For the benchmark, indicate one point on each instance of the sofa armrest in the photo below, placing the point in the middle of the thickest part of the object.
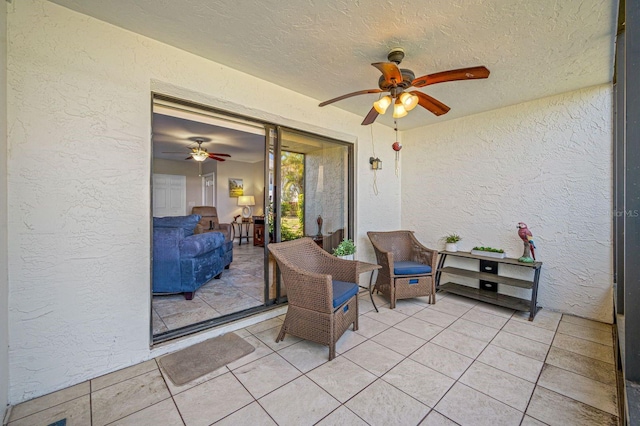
(199, 244)
(166, 242)
(166, 258)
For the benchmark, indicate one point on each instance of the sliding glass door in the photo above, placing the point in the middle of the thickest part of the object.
(292, 184)
(312, 193)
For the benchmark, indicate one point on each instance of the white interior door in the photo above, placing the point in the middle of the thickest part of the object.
(169, 195)
(209, 190)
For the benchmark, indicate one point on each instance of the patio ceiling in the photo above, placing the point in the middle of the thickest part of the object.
(324, 49)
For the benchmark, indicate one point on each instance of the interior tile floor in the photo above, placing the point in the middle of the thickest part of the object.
(240, 287)
(455, 362)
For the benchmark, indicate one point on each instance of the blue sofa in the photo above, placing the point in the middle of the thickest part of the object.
(182, 261)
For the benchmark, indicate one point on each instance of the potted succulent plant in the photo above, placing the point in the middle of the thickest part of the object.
(345, 250)
(451, 242)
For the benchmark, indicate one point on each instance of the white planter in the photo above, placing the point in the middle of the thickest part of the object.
(347, 257)
(488, 254)
(452, 247)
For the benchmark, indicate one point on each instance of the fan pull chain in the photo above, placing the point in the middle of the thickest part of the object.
(397, 146)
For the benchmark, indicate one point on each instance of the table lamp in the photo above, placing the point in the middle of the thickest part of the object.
(246, 202)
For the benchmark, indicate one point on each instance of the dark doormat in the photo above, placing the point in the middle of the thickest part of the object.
(204, 357)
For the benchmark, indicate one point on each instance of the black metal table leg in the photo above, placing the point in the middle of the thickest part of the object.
(533, 308)
(443, 256)
(371, 292)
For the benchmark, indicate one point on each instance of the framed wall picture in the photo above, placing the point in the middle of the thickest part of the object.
(235, 187)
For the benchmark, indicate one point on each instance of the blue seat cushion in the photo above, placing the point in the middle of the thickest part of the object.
(343, 291)
(410, 268)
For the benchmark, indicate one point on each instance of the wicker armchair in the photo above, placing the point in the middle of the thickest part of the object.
(408, 267)
(322, 291)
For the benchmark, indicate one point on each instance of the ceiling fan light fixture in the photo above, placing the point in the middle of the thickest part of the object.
(399, 110)
(382, 104)
(409, 100)
(200, 156)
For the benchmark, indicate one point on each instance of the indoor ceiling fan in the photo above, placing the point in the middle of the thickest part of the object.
(397, 80)
(199, 153)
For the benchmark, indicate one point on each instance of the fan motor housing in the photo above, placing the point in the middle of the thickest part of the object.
(407, 77)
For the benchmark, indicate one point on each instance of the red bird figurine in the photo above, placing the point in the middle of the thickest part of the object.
(529, 246)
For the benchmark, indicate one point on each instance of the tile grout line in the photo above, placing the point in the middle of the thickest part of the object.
(467, 369)
(172, 396)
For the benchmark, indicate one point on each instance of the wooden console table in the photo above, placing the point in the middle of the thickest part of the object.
(490, 281)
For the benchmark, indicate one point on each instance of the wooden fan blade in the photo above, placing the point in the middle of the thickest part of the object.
(348, 95)
(173, 152)
(371, 117)
(451, 75)
(390, 71)
(432, 104)
(189, 158)
(216, 158)
(218, 154)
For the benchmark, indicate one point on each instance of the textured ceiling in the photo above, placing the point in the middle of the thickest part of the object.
(324, 48)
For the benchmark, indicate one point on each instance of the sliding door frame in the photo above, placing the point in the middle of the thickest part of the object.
(273, 132)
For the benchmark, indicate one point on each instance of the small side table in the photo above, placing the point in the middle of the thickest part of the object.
(242, 227)
(368, 267)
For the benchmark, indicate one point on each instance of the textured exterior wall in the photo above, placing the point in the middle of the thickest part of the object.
(546, 163)
(4, 279)
(78, 184)
(328, 197)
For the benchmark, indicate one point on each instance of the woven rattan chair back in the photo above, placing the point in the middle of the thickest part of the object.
(400, 246)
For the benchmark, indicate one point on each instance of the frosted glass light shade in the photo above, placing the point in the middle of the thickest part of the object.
(409, 100)
(382, 104)
(200, 156)
(399, 110)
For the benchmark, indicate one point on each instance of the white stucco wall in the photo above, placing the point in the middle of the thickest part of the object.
(326, 198)
(78, 184)
(546, 163)
(4, 283)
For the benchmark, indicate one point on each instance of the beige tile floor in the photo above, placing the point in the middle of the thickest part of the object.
(240, 287)
(456, 362)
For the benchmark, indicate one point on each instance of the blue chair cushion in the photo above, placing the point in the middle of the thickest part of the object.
(188, 223)
(410, 268)
(343, 291)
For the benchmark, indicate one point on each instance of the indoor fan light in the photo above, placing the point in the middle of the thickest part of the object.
(409, 100)
(382, 104)
(399, 110)
(200, 155)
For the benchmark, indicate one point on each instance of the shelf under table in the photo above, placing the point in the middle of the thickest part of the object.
(487, 296)
(488, 277)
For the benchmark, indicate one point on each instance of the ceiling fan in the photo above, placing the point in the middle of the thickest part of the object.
(397, 80)
(199, 153)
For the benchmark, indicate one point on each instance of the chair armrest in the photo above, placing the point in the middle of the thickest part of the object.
(342, 270)
(385, 260)
(424, 255)
(225, 228)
